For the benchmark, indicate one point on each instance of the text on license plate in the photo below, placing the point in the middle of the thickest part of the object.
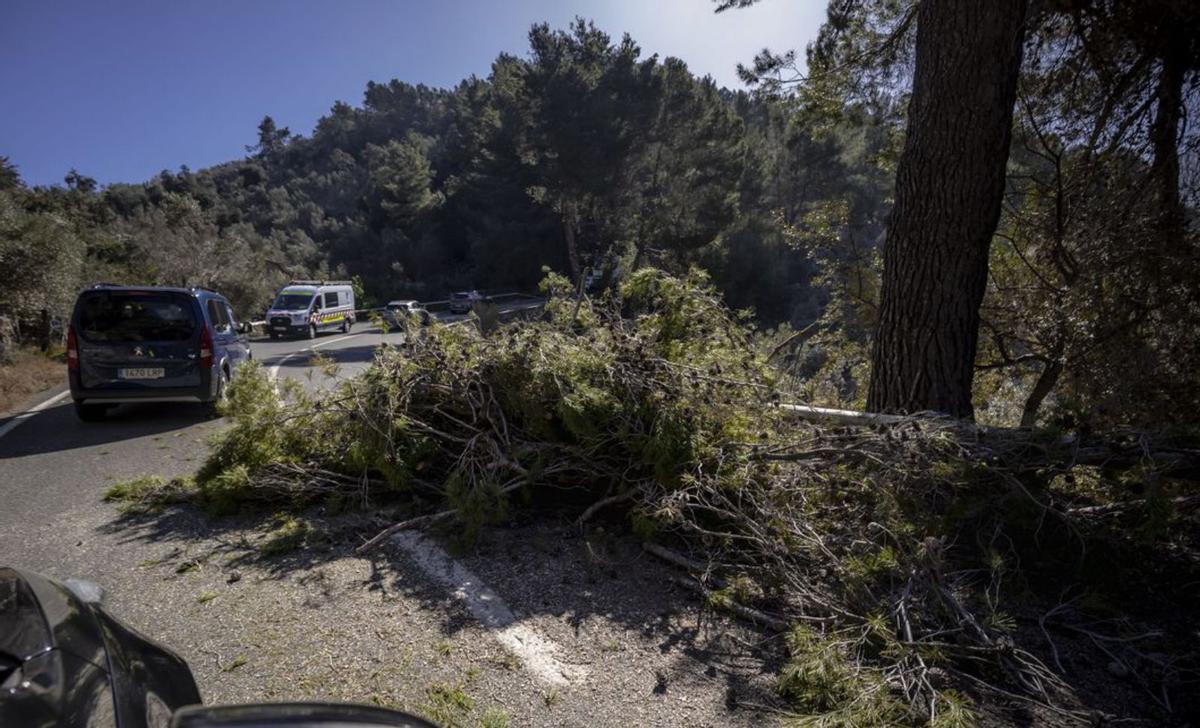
(141, 373)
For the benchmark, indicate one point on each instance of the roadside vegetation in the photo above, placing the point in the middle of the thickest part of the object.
(26, 372)
(149, 493)
(916, 570)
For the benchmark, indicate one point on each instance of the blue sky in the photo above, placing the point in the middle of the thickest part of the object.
(122, 90)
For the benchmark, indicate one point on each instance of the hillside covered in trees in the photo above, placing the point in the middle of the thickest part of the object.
(586, 152)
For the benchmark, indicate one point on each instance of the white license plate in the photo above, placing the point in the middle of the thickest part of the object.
(141, 373)
(280, 328)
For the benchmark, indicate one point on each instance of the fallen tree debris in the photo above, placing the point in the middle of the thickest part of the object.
(882, 546)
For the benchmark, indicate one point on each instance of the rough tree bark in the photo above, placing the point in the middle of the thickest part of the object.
(1164, 136)
(949, 186)
(570, 218)
(43, 333)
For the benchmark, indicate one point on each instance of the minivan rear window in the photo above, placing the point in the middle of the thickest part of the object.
(136, 316)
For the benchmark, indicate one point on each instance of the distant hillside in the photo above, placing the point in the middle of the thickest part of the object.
(584, 153)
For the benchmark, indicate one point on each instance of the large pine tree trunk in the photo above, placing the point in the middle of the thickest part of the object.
(1164, 136)
(949, 186)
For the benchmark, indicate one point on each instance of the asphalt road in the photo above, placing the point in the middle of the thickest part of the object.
(54, 468)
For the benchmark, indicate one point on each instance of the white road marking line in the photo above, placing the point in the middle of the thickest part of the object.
(273, 372)
(16, 421)
(536, 651)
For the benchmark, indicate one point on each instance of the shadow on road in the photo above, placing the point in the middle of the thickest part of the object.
(57, 429)
(555, 578)
(361, 354)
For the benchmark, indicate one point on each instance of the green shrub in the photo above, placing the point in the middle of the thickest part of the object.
(592, 403)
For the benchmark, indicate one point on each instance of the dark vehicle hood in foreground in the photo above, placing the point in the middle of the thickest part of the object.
(38, 615)
(23, 630)
(66, 662)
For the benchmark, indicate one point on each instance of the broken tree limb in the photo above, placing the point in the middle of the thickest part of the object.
(395, 528)
(604, 503)
(748, 613)
(829, 415)
(675, 558)
(1026, 447)
(1180, 503)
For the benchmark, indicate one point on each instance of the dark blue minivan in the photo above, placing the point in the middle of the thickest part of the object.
(151, 344)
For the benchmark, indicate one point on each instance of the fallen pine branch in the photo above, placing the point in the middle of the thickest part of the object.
(418, 522)
(662, 410)
(1021, 447)
(741, 610)
(674, 558)
(1181, 502)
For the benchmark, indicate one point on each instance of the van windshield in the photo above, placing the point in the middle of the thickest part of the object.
(136, 316)
(292, 301)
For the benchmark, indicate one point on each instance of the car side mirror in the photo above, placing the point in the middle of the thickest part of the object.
(306, 715)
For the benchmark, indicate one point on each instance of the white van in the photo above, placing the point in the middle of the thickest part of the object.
(308, 307)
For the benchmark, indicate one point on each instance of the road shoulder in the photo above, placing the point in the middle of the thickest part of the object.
(310, 620)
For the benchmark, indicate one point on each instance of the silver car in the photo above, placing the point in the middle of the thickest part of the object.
(398, 311)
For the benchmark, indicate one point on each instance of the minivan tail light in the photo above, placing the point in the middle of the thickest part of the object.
(206, 347)
(72, 348)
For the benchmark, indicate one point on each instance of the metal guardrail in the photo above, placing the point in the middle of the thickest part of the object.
(424, 304)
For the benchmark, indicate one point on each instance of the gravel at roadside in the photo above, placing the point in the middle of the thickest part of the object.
(318, 623)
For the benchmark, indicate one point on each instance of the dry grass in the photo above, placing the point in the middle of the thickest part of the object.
(28, 373)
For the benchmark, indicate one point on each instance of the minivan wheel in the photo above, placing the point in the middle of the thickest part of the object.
(90, 412)
(214, 406)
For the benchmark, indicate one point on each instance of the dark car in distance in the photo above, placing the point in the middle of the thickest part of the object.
(464, 301)
(151, 344)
